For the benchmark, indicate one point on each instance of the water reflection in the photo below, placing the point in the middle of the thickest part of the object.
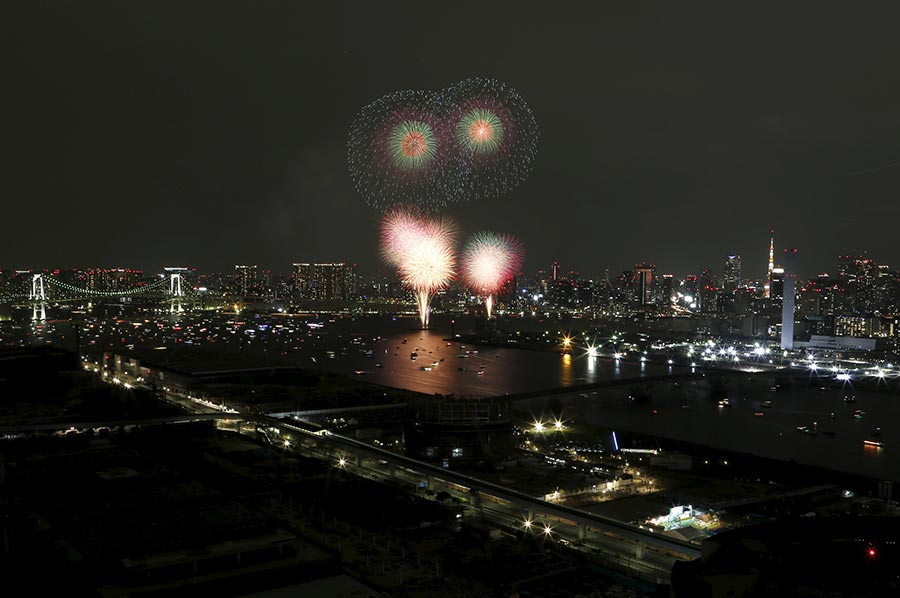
(505, 370)
(565, 373)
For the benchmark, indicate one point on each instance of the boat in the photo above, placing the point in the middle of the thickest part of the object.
(767, 404)
(425, 368)
(481, 372)
(875, 443)
(724, 402)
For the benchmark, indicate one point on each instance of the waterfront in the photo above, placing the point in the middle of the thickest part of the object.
(691, 414)
(371, 348)
(453, 367)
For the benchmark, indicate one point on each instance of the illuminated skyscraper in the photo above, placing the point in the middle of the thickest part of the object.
(776, 285)
(246, 279)
(864, 281)
(787, 302)
(326, 281)
(667, 291)
(643, 282)
(731, 278)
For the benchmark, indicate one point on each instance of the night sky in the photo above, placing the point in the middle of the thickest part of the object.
(147, 134)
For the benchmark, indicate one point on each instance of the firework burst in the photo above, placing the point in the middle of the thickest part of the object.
(401, 227)
(399, 152)
(476, 139)
(488, 262)
(423, 252)
(495, 135)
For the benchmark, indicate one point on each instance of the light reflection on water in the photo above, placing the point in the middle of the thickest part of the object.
(687, 413)
(691, 414)
(506, 370)
(565, 378)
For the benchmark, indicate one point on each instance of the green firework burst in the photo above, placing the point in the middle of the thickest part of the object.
(412, 144)
(480, 131)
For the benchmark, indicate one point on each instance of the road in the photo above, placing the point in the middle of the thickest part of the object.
(637, 551)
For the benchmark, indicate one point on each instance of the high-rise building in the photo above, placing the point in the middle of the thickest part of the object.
(667, 290)
(731, 277)
(336, 281)
(866, 276)
(625, 287)
(245, 280)
(643, 283)
(691, 290)
(787, 301)
(776, 286)
(846, 266)
(555, 272)
(887, 291)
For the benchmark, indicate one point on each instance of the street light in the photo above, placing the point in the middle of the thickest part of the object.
(547, 531)
(342, 462)
(538, 427)
(527, 524)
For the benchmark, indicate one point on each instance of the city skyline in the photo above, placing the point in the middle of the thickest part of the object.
(747, 268)
(114, 137)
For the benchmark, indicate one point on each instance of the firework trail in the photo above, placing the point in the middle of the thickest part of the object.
(488, 262)
(423, 252)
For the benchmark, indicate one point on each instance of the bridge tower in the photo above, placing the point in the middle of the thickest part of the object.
(176, 294)
(38, 298)
(37, 288)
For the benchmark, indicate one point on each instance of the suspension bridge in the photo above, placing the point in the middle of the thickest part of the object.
(45, 290)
